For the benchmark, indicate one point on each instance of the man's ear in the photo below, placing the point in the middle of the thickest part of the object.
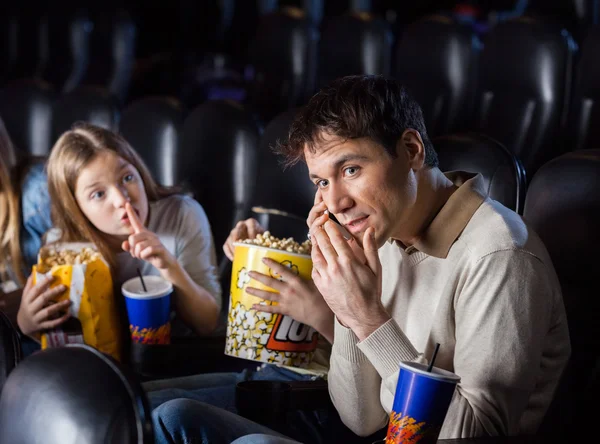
(412, 144)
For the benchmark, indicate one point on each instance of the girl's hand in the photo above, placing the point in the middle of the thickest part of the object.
(144, 244)
(38, 310)
(245, 229)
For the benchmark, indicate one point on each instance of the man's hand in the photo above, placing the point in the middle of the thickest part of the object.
(245, 229)
(295, 297)
(144, 244)
(351, 287)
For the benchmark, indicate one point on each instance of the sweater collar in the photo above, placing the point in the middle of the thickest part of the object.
(454, 216)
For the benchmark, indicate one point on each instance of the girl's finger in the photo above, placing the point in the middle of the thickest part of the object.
(49, 311)
(39, 288)
(47, 325)
(151, 251)
(47, 297)
(141, 246)
(134, 220)
(264, 294)
(125, 246)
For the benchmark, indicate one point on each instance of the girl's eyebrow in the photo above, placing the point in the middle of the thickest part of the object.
(95, 184)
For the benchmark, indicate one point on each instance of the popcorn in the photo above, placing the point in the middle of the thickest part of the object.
(50, 257)
(288, 244)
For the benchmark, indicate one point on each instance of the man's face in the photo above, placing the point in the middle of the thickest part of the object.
(363, 186)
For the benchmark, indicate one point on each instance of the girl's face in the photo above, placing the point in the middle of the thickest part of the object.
(102, 189)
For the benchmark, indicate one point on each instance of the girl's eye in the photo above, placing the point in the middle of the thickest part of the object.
(322, 183)
(97, 195)
(128, 178)
(351, 171)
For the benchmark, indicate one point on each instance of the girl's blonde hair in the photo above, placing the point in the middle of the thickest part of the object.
(74, 150)
(10, 211)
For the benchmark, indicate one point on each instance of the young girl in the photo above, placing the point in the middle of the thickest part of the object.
(103, 193)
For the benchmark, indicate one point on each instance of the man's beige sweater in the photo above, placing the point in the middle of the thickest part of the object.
(480, 283)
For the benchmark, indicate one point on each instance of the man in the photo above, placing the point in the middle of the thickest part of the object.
(432, 260)
(445, 264)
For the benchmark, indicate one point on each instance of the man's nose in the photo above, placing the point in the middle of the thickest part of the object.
(338, 200)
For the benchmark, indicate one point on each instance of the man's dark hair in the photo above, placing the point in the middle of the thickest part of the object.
(353, 107)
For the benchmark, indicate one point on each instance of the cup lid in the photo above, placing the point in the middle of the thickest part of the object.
(435, 373)
(156, 285)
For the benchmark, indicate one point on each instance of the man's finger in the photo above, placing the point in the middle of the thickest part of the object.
(279, 269)
(339, 243)
(267, 280)
(134, 220)
(264, 294)
(371, 251)
(276, 309)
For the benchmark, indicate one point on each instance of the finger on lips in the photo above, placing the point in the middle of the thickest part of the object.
(134, 220)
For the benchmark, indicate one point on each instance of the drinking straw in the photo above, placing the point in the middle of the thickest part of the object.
(142, 280)
(437, 347)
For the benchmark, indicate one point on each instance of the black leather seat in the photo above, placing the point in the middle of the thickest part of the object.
(354, 43)
(73, 395)
(283, 55)
(435, 58)
(584, 119)
(65, 54)
(219, 161)
(87, 103)
(154, 127)
(524, 78)
(288, 189)
(10, 348)
(502, 172)
(26, 108)
(112, 52)
(563, 206)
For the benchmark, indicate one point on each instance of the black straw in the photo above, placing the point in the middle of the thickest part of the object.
(142, 279)
(437, 347)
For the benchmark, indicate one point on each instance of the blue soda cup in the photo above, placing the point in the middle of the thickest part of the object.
(149, 310)
(420, 404)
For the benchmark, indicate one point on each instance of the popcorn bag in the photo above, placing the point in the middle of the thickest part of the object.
(261, 336)
(81, 268)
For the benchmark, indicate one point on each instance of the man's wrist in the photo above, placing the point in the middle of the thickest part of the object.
(364, 327)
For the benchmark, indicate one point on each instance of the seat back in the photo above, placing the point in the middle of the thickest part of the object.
(502, 172)
(65, 49)
(435, 59)
(26, 108)
(88, 104)
(288, 189)
(73, 395)
(218, 161)
(354, 43)
(112, 52)
(10, 348)
(563, 207)
(523, 88)
(283, 55)
(154, 128)
(584, 118)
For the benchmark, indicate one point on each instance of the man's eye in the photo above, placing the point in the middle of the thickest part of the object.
(322, 183)
(351, 171)
(128, 178)
(97, 195)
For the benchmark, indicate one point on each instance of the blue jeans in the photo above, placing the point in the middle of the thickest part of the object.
(185, 421)
(189, 420)
(258, 438)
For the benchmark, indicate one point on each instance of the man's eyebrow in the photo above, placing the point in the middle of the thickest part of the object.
(342, 160)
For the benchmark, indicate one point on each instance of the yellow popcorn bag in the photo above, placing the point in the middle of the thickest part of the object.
(261, 336)
(81, 268)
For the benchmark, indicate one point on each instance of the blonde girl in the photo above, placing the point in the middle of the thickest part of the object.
(24, 213)
(103, 193)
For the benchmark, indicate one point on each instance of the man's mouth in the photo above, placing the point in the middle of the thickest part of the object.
(357, 225)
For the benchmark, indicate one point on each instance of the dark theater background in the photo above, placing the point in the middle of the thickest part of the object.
(202, 89)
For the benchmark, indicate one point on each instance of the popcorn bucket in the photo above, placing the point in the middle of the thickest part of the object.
(261, 336)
